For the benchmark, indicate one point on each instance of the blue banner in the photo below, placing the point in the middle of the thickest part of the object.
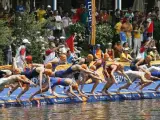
(89, 8)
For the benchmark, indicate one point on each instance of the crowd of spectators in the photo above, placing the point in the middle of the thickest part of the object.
(134, 31)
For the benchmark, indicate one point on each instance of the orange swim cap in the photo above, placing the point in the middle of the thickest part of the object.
(29, 58)
(84, 66)
(48, 66)
(90, 57)
(63, 57)
(147, 76)
(48, 72)
(75, 86)
(93, 67)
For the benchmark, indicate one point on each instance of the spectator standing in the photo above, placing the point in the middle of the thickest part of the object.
(66, 21)
(129, 15)
(98, 52)
(21, 54)
(128, 29)
(79, 12)
(49, 12)
(41, 14)
(84, 16)
(137, 39)
(118, 26)
(20, 8)
(123, 36)
(58, 24)
(117, 15)
(149, 28)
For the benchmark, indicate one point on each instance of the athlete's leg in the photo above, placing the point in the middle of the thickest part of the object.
(25, 89)
(45, 88)
(94, 86)
(12, 89)
(153, 68)
(107, 86)
(157, 87)
(126, 86)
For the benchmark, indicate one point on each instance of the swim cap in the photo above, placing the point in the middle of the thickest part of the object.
(48, 66)
(75, 86)
(63, 57)
(147, 76)
(93, 67)
(29, 58)
(48, 72)
(149, 58)
(84, 66)
(90, 57)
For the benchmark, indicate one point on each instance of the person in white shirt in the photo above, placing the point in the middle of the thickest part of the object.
(66, 20)
(58, 24)
(21, 54)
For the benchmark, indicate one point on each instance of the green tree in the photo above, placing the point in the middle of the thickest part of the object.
(104, 34)
(5, 37)
(26, 27)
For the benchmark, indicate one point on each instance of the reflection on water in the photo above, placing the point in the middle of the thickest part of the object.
(126, 110)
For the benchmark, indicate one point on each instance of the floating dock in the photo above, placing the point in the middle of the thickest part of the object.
(48, 99)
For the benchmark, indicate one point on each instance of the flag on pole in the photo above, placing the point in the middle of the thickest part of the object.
(70, 43)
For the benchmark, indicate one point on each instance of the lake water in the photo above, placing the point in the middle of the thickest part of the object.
(124, 110)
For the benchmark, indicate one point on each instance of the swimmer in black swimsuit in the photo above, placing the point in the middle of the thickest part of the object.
(147, 61)
(36, 72)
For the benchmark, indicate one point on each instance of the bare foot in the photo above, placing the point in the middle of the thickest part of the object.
(9, 93)
(94, 94)
(106, 93)
(118, 91)
(30, 99)
(18, 100)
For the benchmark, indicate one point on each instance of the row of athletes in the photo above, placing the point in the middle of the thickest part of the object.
(48, 78)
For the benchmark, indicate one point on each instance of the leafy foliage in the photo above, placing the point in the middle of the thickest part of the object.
(5, 36)
(104, 34)
(27, 28)
(156, 33)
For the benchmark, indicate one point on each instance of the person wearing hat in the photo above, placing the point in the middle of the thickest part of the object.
(21, 54)
(98, 52)
(128, 29)
(49, 12)
(125, 56)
